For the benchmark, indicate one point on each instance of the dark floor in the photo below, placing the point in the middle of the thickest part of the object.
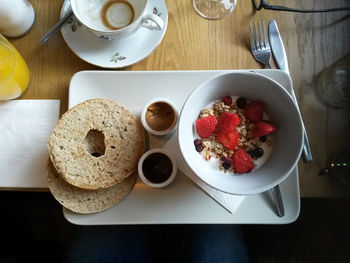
(33, 227)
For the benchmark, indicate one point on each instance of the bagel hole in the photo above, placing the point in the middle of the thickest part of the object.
(94, 143)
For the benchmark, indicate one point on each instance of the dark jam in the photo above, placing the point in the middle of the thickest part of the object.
(157, 167)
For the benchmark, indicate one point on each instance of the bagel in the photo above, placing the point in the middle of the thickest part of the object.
(87, 201)
(96, 144)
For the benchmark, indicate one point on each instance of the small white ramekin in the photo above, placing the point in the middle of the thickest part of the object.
(148, 128)
(148, 182)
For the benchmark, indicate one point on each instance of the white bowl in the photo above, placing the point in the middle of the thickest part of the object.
(144, 178)
(282, 112)
(155, 132)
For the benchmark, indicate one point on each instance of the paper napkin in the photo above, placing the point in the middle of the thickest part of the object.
(228, 201)
(25, 126)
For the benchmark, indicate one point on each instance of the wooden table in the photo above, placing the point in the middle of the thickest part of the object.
(313, 42)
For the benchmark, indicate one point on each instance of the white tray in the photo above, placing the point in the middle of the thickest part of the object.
(182, 202)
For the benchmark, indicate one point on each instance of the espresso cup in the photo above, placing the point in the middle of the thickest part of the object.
(113, 19)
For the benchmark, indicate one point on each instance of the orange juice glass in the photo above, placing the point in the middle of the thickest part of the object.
(14, 72)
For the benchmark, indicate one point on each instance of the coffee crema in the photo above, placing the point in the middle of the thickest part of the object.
(160, 116)
(116, 14)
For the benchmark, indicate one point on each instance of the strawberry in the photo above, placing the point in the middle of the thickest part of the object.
(229, 140)
(242, 162)
(228, 122)
(263, 128)
(254, 111)
(206, 126)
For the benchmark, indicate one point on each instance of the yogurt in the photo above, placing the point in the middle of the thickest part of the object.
(209, 144)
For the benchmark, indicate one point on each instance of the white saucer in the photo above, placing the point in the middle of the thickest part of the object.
(117, 53)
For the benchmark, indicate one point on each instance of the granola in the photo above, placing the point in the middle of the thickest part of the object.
(212, 147)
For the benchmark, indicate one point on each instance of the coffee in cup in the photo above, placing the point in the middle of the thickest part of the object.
(110, 19)
(116, 14)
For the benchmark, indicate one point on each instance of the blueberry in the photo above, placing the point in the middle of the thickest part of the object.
(258, 152)
(199, 148)
(197, 142)
(226, 165)
(263, 138)
(241, 102)
(226, 160)
(251, 153)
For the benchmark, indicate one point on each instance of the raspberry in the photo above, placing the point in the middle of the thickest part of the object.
(227, 100)
(254, 111)
(228, 122)
(206, 126)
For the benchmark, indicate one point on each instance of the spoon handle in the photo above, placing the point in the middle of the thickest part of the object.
(56, 27)
(277, 197)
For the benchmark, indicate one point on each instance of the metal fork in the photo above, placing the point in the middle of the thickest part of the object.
(260, 46)
(259, 43)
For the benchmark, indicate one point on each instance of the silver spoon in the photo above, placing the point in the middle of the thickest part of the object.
(57, 27)
(277, 197)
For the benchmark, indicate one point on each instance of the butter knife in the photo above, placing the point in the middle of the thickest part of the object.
(279, 53)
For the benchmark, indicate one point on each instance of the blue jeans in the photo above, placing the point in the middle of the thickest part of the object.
(159, 243)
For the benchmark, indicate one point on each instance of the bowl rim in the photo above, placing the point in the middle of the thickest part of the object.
(299, 121)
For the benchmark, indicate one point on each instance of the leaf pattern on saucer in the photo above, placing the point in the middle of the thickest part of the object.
(155, 11)
(115, 57)
(74, 23)
(104, 38)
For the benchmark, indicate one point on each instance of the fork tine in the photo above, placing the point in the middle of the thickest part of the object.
(257, 44)
(252, 38)
(266, 39)
(261, 34)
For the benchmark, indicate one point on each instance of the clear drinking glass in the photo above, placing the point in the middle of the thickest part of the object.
(14, 72)
(333, 84)
(214, 9)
